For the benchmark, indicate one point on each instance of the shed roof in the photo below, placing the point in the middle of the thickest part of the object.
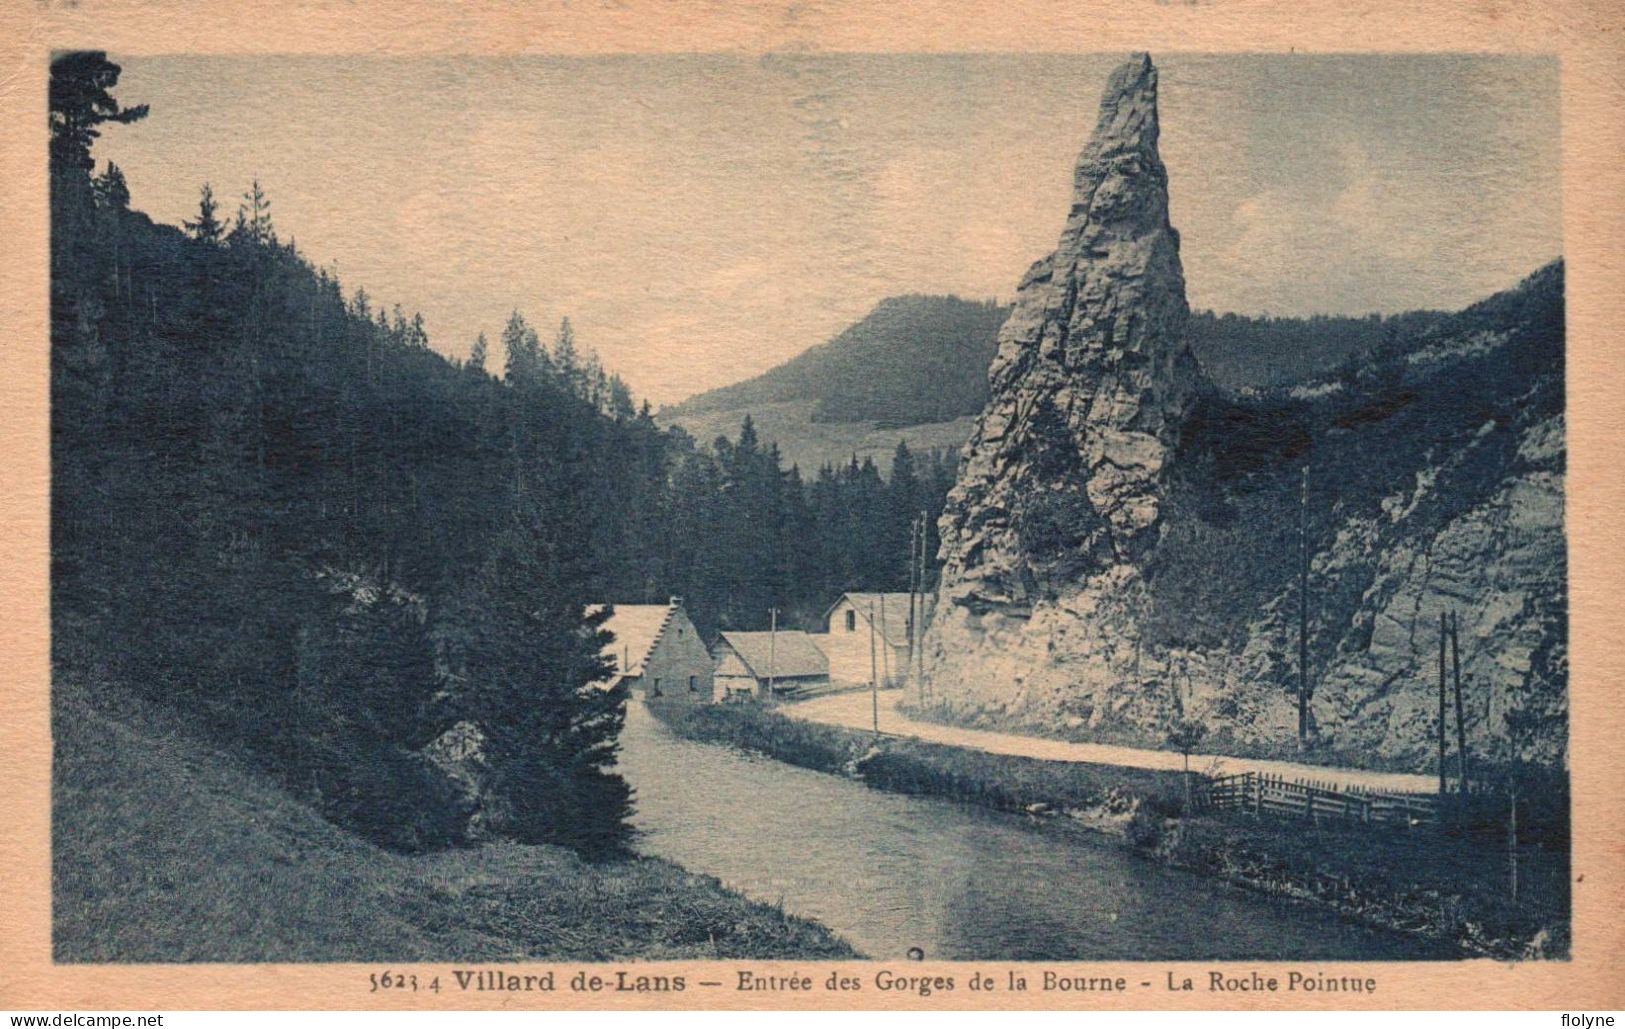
(894, 627)
(636, 627)
(792, 655)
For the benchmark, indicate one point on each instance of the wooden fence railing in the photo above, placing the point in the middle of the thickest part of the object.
(1299, 798)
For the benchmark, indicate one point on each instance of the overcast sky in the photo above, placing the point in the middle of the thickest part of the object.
(701, 219)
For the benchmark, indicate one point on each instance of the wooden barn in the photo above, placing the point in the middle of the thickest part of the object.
(658, 653)
(748, 661)
(846, 638)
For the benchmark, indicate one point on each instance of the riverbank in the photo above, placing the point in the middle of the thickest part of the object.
(168, 849)
(1423, 882)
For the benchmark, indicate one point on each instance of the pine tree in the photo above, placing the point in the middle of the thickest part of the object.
(619, 404)
(254, 216)
(206, 228)
(903, 504)
(79, 101)
(111, 191)
(524, 359)
(551, 728)
(476, 354)
(567, 359)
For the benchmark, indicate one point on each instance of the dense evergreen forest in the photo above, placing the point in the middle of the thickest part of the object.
(276, 509)
(1240, 352)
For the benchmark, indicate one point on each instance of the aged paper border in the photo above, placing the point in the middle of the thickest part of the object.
(1589, 37)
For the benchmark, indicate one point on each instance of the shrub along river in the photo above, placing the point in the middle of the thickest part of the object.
(889, 872)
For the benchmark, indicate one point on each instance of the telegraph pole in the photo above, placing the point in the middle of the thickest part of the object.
(913, 624)
(916, 601)
(772, 648)
(885, 640)
(1461, 719)
(1303, 611)
(925, 536)
(874, 680)
(1442, 633)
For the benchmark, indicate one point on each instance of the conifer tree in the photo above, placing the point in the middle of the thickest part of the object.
(567, 359)
(523, 351)
(551, 726)
(206, 228)
(112, 192)
(254, 216)
(79, 102)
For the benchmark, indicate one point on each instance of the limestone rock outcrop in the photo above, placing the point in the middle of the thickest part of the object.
(1060, 488)
(1090, 383)
(1123, 548)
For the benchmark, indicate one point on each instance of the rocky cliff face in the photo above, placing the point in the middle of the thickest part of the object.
(1090, 383)
(1123, 547)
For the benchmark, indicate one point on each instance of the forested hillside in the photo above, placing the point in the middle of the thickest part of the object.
(913, 359)
(1239, 352)
(919, 360)
(276, 509)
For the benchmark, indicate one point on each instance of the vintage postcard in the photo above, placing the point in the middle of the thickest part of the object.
(778, 506)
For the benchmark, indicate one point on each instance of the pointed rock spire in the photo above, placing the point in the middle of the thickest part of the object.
(1101, 574)
(1061, 476)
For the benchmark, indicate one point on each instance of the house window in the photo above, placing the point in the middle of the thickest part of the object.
(851, 620)
(693, 684)
(655, 691)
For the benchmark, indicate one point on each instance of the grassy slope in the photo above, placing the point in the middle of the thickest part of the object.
(811, 444)
(168, 850)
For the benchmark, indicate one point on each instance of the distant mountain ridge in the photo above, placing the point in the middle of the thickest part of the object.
(922, 360)
(912, 360)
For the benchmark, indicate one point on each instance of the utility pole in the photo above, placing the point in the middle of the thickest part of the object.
(772, 648)
(916, 605)
(1461, 719)
(1442, 632)
(925, 537)
(874, 681)
(885, 641)
(913, 623)
(1303, 612)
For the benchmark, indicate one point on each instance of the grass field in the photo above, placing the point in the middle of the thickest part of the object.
(166, 849)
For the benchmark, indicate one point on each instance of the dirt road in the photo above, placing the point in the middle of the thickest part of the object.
(854, 711)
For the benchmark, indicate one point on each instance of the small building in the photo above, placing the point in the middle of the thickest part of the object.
(658, 653)
(788, 658)
(847, 624)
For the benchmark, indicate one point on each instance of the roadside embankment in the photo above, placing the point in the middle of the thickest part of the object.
(166, 848)
(1445, 884)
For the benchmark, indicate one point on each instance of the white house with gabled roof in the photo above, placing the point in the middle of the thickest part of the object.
(846, 637)
(658, 653)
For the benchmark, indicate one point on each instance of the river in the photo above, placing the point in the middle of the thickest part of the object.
(888, 872)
